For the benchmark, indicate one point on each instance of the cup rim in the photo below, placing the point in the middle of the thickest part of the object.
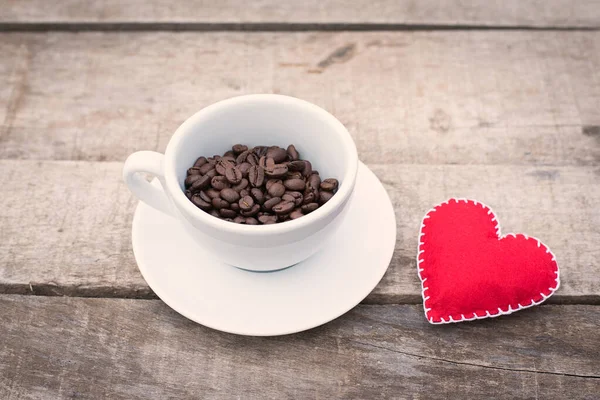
(340, 197)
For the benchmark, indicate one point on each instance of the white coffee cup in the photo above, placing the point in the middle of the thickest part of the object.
(262, 119)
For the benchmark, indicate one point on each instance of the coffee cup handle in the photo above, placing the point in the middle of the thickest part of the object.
(149, 162)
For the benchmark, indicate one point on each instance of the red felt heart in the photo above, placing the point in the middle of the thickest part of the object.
(468, 271)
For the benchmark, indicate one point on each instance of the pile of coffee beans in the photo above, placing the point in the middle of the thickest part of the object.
(259, 185)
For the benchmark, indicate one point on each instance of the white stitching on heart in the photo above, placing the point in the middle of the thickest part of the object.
(510, 310)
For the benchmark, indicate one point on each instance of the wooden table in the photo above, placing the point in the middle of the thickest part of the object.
(499, 101)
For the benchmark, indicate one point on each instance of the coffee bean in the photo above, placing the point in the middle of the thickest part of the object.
(244, 192)
(292, 152)
(233, 175)
(260, 150)
(235, 207)
(230, 195)
(191, 179)
(296, 214)
(227, 213)
(297, 165)
(215, 213)
(294, 175)
(314, 181)
(257, 195)
(212, 193)
(229, 153)
(188, 194)
(219, 182)
(256, 176)
(205, 168)
(204, 196)
(284, 207)
(276, 190)
(239, 148)
(324, 197)
(219, 203)
(309, 197)
(246, 203)
(200, 162)
(212, 173)
(295, 197)
(198, 202)
(252, 159)
(271, 182)
(222, 165)
(268, 205)
(277, 154)
(241, 186)
(276, 171)
(310, 207)
(200, 184)
(251, 212)
(244, 168)
(307, 169)
(239, 220)
(329, 185)
(294, 184)
(194, 171)
(267, 219)
(251, 221)
(242, 157)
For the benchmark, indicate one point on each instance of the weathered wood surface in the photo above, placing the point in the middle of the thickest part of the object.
(538, 13)
(115, 348)
(65, 226)
(485, 97)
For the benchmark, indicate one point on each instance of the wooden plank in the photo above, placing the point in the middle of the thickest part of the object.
(549, 13)
(133, 349)
(65, 226)
(485, 97)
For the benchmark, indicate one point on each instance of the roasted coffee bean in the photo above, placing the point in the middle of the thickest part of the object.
(194, 171)
(277, 154)
(219, 203)
(294, 184)
(219, 182)
(211, 161)
(235, 207)
(324, 196)
(267, 219)
(244, 192)
(268, 205)
(307, 171)
(230, 195)
(296, 214)
(297, 165)
(212, 173)
(252, 159)
(251, 221)
(294, 175)
(204, 196)
(191, 179)
(229, 153)
(251, 212)
(284, 207)
(309, 197)
(310, 207)
(276, 171)
(233, 175)
(244, 168)
(205, 168)
(222, 165)
(188, 194)
(227, 213)
(283, 217)
(276, 190)
(200, 184)
(212, 193)
(215, 213)
(256, 176)
(246, 203)
(257, 195)
(271, 182)
(198, 202)
(200, 162)
(329, 185)
(242, 157)
(314, 181)
(292, 152)
(230, 158)
(241, 186)
(239, 148)
(260, 150)
(296, 197)
(239, 220)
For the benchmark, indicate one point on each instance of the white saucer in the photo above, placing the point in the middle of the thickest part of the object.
(306, 295)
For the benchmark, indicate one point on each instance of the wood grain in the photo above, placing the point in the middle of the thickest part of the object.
(538, 13)
(133, 349)
(65, 226)
(476, 97)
